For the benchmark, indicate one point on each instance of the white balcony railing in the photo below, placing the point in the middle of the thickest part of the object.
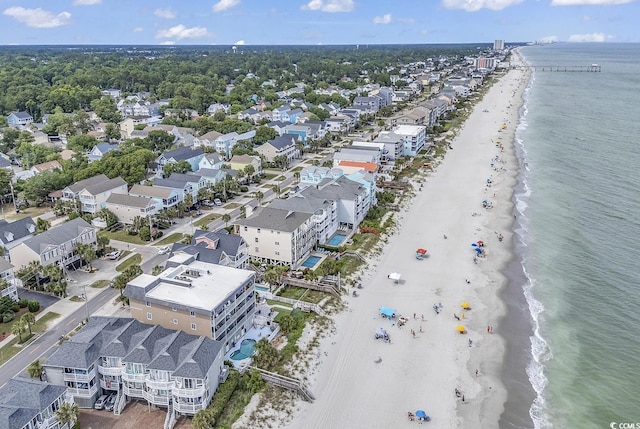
(138, 378)
(110, 370)
(155, 399)
(187, 408)
(109, 384)
(188, 393)
(133, 392)
(158, 384)
(83, 378)
(82, 392)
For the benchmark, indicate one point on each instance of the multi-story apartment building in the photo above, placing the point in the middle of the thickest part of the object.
(11, 283)
(31, 404)
(278, 236)
(167, 368)
(56, 245)
(197, 297)
(415, 138)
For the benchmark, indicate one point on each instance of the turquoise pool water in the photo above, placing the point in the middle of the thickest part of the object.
(311, 261)
(262, 288)
(247, 349)
(337, 239)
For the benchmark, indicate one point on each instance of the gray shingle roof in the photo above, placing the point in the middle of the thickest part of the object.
(58, 235)
(276, 219)
(211, 246)
(79, 186)
(283, 141)
(16, 230)
(183, 153)
(104, 186)
(129, 200)
(22, 399)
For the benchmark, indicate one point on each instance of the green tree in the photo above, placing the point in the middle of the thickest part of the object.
(102, 241)
(106, 109)
(42, 225)
(112, 132)
(266, 357)
(180, 167)
(28, 319)
(87, 252)
(226, 218)
(67, 414)
(30, 275)
(159, 140)
(18, 328)
(81, 143)
(264, 134)
(35, 368)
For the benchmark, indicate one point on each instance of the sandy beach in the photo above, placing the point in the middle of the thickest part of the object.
(363, 382)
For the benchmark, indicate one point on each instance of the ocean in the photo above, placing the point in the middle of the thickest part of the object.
(574, 290)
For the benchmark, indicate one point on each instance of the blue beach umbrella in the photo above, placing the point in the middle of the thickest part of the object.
(421, 414)
(474, 244)
(478, 250)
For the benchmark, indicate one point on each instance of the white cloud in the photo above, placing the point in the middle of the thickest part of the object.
(384, 19)
(165, 13)
(138, 29)
(330, 6)
(548, 39)
(181, 32)
(588, 2)
(224, 5)
(86, 2)
(240, 43)
(589, 37)
(475, 5)
(38, 18)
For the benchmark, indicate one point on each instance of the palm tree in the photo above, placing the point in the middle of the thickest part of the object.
(28, 319)
(18, 329)
(103, 242)
(226, 218)
(86, 252)
(296, 176)
(35, 369)
(188, 200)
(42, 224)
(67, 414)
(249, 170)
(258, 196)
(276, 190)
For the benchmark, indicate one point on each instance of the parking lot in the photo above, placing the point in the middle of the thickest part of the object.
(134, 416)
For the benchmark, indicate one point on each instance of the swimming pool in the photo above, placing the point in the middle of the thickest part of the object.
(336, 239)
(247, 349)
(261, 288)
(311, 261)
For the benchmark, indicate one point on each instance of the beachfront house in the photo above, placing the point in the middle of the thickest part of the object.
(278, 236)
(415, 137)
(219, 247)
(197, 297)
(165, 367)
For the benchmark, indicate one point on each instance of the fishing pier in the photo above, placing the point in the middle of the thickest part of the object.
(593, 68)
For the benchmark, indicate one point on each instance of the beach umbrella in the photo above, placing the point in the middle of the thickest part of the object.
(394, 276)
(421, 414)
(474, 244)
(465, 305)
(478, 250)
(480, 242)
(422, 251)
(460, 329)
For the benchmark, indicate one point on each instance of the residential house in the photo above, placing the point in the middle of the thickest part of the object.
(211, 160)
(370, 104)
(100, 150)
(240, 162)
(303, 131)
(191, 156)
(11, 283)
(215, 107)
(111, 92)
(55, 246)
(14, 233)
(164, 197)
(165, 367)
(276, 114)
(183, 184)
(16, 119)
(278, 126)
(128, 125)
(6, 163)
(338, 124)
(415, 138)
(359, 154)
(225, 143)
(436, 111)
(211, 176)
(93, 192)
(206, 299)
(31, 404)
(280, 146)
(207, 140)
(393, 144)
(278, 236)
(219, 247)
(290, 115)
(183, 136)
(312, 175)
(128, 207)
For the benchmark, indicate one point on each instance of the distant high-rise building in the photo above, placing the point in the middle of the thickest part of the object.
(498, 45)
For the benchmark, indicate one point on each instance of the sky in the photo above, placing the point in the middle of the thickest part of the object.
(314, 22)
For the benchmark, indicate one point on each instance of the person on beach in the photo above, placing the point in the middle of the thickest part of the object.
(467, 281)
(414, 316)
(421, 329)
(470, 342)
(456, 316)
(422, 316)
(488, 329)
(477, 372)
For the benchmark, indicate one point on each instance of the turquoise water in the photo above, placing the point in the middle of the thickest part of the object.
(247, 349)
(261, 288)
(578, 228)
(311, 261)
(336, 239)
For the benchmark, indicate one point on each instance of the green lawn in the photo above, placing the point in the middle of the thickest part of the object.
(207, 220)
(136, 259)
(170, 239)
(100, 284)
(123, 236)
(10, 350)
(269, 176)
(76, 298)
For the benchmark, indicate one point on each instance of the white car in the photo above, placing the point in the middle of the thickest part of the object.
(217, 202)
(164, 249)
(100, 403)
(113, 255)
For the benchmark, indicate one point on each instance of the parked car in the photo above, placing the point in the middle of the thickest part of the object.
(208, 203)
(110, 403)
(217, 202)
(113, 255)
(100, 402)
(164, 249)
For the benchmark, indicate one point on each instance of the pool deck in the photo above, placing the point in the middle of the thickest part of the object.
(257, 332)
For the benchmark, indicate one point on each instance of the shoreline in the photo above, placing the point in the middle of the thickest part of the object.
(359, 381)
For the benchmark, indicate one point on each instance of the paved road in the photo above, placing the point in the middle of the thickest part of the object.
(42, 346)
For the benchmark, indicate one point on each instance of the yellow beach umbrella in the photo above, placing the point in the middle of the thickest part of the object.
(460, 329)
(465, 305)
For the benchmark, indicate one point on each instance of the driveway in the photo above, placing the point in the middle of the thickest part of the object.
(44, 299)
(136, 415)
